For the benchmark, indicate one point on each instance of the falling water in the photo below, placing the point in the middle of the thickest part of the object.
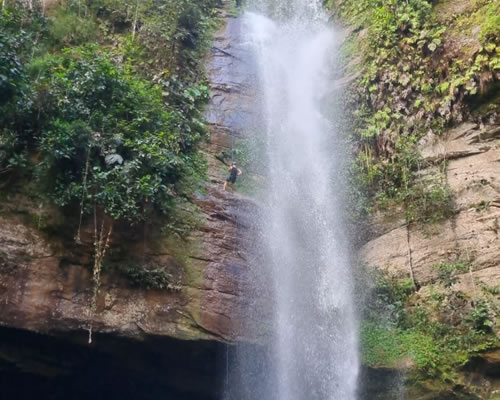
(312, 344)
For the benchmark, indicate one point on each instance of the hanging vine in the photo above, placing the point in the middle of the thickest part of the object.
(101, 244)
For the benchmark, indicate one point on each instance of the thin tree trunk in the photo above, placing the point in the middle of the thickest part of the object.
(134, 26)
(410, 257)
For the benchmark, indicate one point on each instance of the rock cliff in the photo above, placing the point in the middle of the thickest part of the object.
(471, 235)
(422, 90)
(473, 174)
(46, 278)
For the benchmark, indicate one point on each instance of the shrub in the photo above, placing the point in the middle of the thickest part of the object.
(11, 69)
(400, 327)
(490, 27)
(105, 126)
(481, 317)
(448, 271)
(427, 202)
(107, 136)
(149, 276)
(410, 85)
(67, 28)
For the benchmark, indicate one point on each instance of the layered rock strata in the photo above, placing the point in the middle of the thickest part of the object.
(472, 170)
(46, 283)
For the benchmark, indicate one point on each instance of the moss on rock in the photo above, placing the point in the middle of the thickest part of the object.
(423, 66)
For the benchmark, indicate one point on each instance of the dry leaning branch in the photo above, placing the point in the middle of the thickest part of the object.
(101, 244)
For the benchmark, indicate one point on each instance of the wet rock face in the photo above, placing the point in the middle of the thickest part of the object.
(472, 234)
(46, 278)
(224, 275)
(46, 286)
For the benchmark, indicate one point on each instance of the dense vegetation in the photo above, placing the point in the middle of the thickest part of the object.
(416, 75)
(101, 102)
(100, 116)
(419, 67)
(431, 334)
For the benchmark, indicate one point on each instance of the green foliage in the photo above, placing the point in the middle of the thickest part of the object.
(109, 129)
(149, 276)
(427, 202)
(397, 182)
(390, 346)
(11, 70)
(357, 195)
(10, 157)
(390, 290)
(448, 271)
(491, 289)
(390, 17)
(15, 45)
(68, 28)
(172, 33)
(113, 122)
(380, 345)
(387, 299)
(481, 317)
(490, 23)
(410, 86)
(431, 335)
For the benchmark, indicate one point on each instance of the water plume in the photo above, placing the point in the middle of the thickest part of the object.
(311, 351)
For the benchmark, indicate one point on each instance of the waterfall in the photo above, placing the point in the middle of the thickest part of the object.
(311, 347)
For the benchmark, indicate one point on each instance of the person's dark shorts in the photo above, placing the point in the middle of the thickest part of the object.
(231, 180)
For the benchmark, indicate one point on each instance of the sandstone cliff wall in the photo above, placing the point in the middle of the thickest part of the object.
(472, 171)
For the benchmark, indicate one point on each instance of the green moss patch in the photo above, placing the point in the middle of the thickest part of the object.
(423, 68)
(430, 336)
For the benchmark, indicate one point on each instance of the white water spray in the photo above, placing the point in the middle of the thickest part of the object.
(313, 350)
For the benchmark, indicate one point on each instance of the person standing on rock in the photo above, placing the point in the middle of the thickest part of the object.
(233, 173)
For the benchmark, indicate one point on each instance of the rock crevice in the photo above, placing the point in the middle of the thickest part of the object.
(472, 172)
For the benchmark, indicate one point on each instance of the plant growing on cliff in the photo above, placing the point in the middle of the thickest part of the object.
(448, 271)
(431, 335)
(149, 276)
(91, 110)
(111, 125)
(428, 202)
(99, 130)
(101, 245)
(14, 83)
(481, 317)
(410, 85)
